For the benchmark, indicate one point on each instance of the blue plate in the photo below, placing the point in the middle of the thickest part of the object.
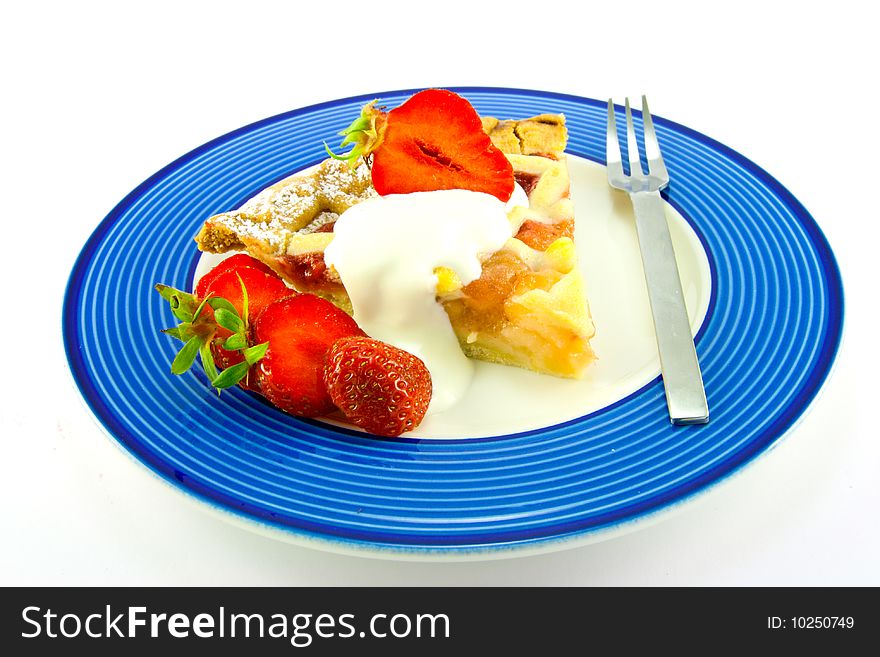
(766, 346)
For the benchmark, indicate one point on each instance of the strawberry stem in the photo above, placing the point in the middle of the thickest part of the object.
(365, 132)
(197, 333)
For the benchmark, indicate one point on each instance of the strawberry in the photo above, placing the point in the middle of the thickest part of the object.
(262, 289)
(300, 331)
(435, 140)
(236, 262)
(200, 322)
(215, 325)
(378, 387)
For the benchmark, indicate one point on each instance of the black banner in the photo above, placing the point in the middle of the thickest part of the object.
(276, 621)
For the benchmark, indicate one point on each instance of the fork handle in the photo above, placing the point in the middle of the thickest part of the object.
(685, 395)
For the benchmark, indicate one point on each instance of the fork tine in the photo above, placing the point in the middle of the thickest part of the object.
(632, 146)
(652, 147)
(612, 147)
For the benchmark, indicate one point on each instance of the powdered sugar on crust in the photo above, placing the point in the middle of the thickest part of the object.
(268, 220)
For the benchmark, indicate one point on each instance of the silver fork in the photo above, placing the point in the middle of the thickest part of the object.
(685, 395)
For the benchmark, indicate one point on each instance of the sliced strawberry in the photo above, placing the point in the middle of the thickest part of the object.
(236, 262)
(379, 387)
(262, 289)
(434, 141)
(300, 331)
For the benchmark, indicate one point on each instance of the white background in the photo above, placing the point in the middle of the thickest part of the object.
(98, 96)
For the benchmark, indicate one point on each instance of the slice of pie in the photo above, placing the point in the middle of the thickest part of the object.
(528, 308)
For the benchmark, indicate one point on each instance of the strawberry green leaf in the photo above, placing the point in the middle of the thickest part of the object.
(229, 320)
(186, 330)
(219, 302)
(186, 356)
(176, 332)
(208, 361)
(255, 353)
(230, 376)
(360, 124)
(244, 301)
(362, 133)
(350, 156)
(198, 311)
(169, 293)
(235, 342)
(183, 304)
(182, 313)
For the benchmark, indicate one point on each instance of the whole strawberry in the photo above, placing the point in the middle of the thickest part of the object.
(378, 387)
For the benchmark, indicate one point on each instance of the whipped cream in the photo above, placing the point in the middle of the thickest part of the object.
(386, 249)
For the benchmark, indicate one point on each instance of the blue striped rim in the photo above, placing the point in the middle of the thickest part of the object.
(774, 276)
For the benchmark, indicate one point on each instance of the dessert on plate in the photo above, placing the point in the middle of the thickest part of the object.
(528, 307)
(440, 233)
